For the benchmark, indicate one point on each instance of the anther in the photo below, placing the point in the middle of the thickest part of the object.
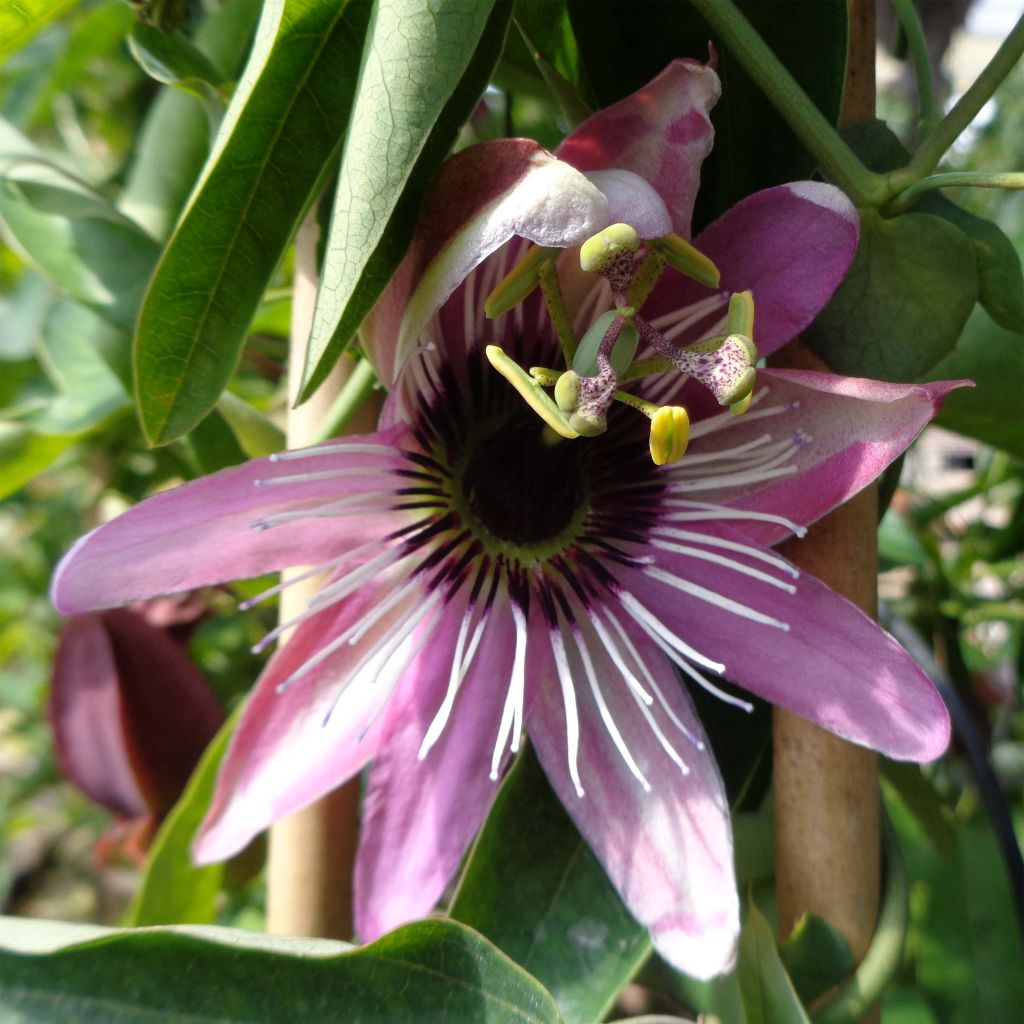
(681, 255)
(519, 282)
(531, 391)
(670, 434)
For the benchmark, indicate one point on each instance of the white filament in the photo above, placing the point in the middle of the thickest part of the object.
(572, 720)
(725, 603)
(606, 716)
(651, 681)
(512, 714)
(725, 563)
(458, 672)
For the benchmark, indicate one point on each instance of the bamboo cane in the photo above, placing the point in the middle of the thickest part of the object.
(311, 853)
(825, 789)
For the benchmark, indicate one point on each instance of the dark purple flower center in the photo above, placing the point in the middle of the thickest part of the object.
(496, 485)
(522, 487)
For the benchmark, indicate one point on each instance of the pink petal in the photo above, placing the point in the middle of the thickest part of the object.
(662, 132)
(86, 717)
(847, 430)
(481, 198)
(790, 245)
(419, 817)
(206, 531)
(668, 851)
(833, 664)
(284, 755)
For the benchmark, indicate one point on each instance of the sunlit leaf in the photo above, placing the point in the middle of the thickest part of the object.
(76, 237)
(24, 454)
(282, 130)
(20, 20)
(424, 69)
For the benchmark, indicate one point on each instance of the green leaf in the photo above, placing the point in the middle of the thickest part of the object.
(1000, 278)
(211, 446)
(533, 887)
(170, 58)
(904, 301)
(174, 140)
(430, 971)
(768, 994)
(20, 20)
(623, 46)
(548, 33)
(279, 138)
(24, 454)
(88, 390)
(424, 69)
(173, 889)
(994, 359)
(816, 957)
(255, 434)
(77, 238)
(964, 935)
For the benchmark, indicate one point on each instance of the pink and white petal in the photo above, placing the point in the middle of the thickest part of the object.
(831, 663)
(420, 816)
(481, 198)
(213, 529)
(631, 200)
(662, 132)
(667, 851)
(86, 717)
(843, 431)
(294, 746)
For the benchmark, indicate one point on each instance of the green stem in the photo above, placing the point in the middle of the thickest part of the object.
(906, 11)
(836, 159)
(949, 129)
(355, 391)
(952, 179)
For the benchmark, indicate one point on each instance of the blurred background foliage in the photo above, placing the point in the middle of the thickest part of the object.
(125, 150)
